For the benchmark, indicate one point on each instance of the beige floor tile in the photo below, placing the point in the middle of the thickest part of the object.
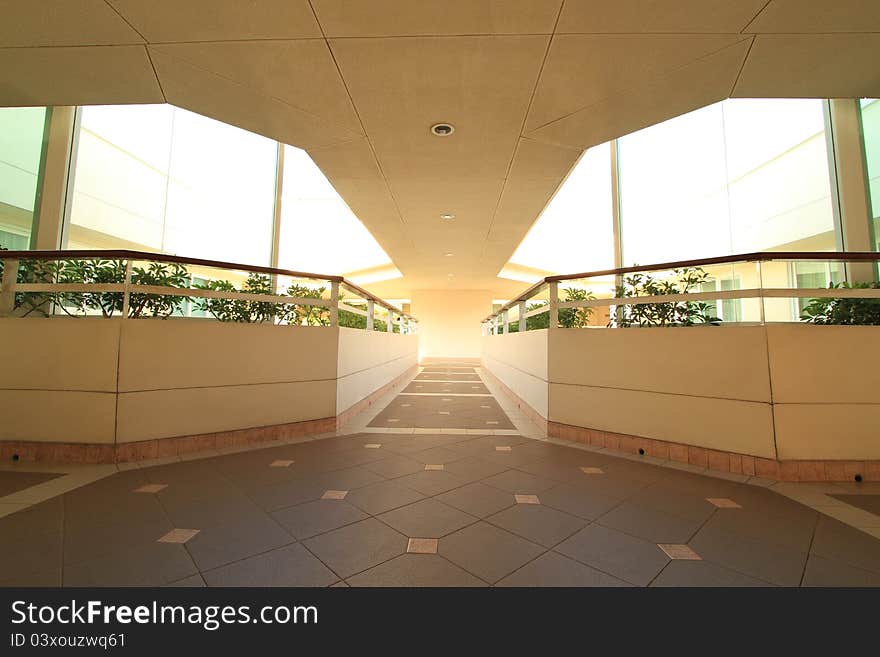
(422, 546)
(678, 551)
(334, 495)
(151, 488)
(723, 502)
(178, 536)
(526, 499)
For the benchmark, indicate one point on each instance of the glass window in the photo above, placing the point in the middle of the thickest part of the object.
(871, 131)
(738, 176)
(160, 178)
(575, 230)
(319, 232)
(21, 148)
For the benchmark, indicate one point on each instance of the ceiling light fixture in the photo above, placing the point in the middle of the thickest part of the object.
(447, 216)
(442, 129)
(449, 255)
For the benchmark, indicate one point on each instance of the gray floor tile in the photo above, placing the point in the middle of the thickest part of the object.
(702, 573)
(357, 547)
(771, 563)
(825, 572)
(433, 482)
(488, 552)
(222, 544)
(555, 570)
(382, 497)
(473, 468)
(843, 543)
(792, 532)
(395, 466)
(578, 501)
(516, 481)
(416, 570)
(291, 565)
(427, 519)
(478, 499)
(538, 523)
(153, 564)
(312, 518)
(650, 524)
(631, 559)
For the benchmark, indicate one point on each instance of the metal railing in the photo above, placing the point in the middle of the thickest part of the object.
(752, 288)
(140, 285)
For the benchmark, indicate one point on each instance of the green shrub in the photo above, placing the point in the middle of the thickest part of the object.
(844, 311)
(669, 313)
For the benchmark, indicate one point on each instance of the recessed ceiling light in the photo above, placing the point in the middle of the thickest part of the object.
(449, 255)
(447, 216)
(442, 129)
(450, 275)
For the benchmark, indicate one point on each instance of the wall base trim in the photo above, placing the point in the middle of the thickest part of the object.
(90, 453)
(720, 461)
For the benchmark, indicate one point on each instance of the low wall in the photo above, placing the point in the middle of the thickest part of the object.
(519, 361)
(125, 388)
(796, 401)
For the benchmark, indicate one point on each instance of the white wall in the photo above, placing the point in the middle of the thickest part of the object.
(94, 380)
(187, 377)
(449, 321)
(58, 379)
(368, 360)
(786, 391)
(519, 360)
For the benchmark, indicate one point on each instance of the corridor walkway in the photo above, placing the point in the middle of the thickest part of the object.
(438, 488)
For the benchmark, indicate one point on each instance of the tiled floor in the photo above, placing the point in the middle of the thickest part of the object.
(13, 482)
(374, 508)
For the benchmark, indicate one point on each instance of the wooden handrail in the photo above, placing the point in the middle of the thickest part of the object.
(125, 254)
(759, 256)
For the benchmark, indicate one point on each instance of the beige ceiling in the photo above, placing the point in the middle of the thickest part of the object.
(528, 85)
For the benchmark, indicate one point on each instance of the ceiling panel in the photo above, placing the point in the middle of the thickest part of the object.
(799, 16)
(812, 66)
(535, 159)
(622, 16)
(451, 17)
(471, 200)
(401, 87)
(62, 23)
(699, 84)
(301, 73)
(77, 76)
(582, 70)
(215, 20)
(207, 93)
(352, 160)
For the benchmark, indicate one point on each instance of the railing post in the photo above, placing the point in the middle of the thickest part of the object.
(554, 305)
(522, 326)
(334, 303)
(7, 294)
(761, 299)
(371, 312)
(126, 293)
(505, 317)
